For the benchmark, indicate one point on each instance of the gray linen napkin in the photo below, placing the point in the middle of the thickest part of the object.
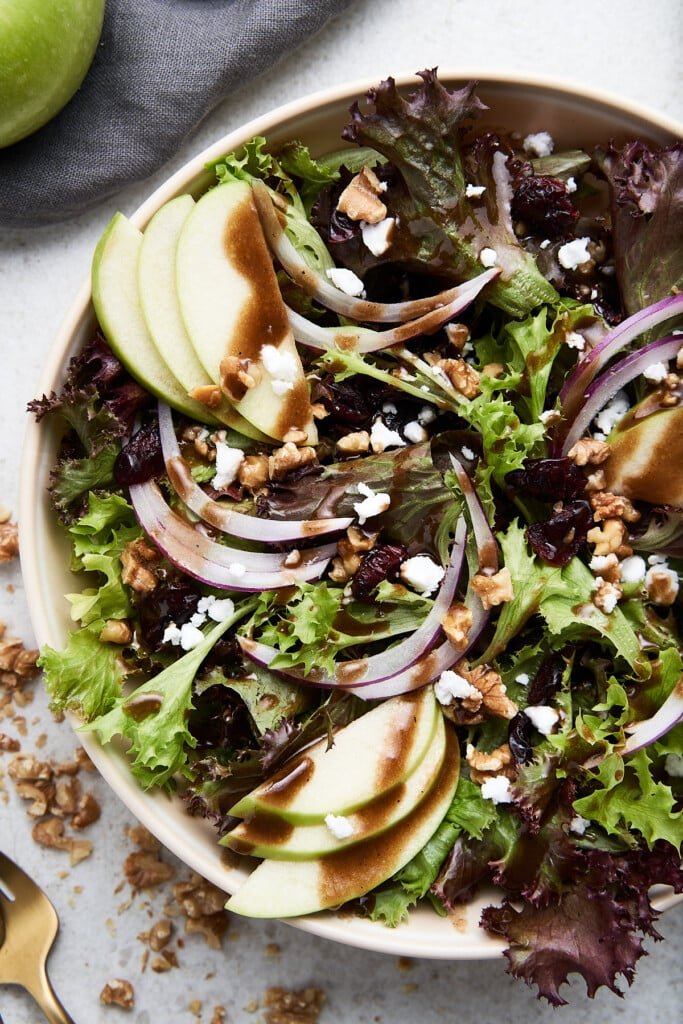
(161, 66)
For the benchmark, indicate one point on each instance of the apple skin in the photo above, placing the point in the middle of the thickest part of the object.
(47, 47)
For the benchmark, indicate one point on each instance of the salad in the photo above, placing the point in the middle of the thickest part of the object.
(374, 470)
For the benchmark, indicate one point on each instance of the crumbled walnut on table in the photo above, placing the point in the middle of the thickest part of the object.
(285, 1007)
(9, 541)
(9, 743)
(589, 451)
(139, 561)
(606, 505)
(17, 664)
(360, 199)
(456, 624)
(493, 590)
(354, 444)
(289, 457)
(120, 992)
(158, 936)
(494, 762)
(40, 796)
(462, 376)
(145, 870)
(87, 812)
(139, 835)
(611, 538)
(50, 832)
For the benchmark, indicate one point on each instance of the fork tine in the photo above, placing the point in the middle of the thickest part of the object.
(15, 879)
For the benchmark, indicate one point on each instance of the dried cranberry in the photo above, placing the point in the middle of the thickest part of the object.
(226, 655)
(544, 206)
(141, 458)
(173, 601)
(219, 719)
(547, 680)
(352, 402)
(380, 563)
(127, 400)
(548, 479)
(520, 738)
(558, 539)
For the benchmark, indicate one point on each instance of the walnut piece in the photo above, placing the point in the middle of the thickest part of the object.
(491, 699)
(610, 538)
(458, 335)
(295, 435)
(289, 457)
(88, 811)
(353, 444)
(9, 743)
(588, 451)
(285, 1007)
(144, 870)
(39, 795)
(17, 664)
(120, 992)
(203, 906)
(209, 395)
(237, 376)
(360, 199)
(27, 768)
(253, 472)
(493, 590)
(495, 762)
(139, 560)
(456, 624)
(116, 631)
(606, 505)
(9, 541)
(462, 376)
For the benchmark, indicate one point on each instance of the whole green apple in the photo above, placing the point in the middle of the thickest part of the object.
(46, 48)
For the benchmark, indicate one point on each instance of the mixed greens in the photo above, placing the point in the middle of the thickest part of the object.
(495, 498)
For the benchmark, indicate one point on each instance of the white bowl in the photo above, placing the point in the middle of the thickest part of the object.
(575, 118)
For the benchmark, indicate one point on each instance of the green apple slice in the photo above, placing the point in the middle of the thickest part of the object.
(117, 304)
(160, 309)
(280, 888)
(266, 835)
(370, 756)
(231, 304)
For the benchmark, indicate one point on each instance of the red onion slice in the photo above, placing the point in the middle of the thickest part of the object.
(572, 393)
(487, 549)
(363, 672)
(647, 732)
(222, 517)
(363, 339)
(315, 285)
(218, 565)
(606, 386)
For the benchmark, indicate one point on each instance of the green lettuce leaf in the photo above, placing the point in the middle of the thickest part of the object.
(86, 676)
(154, 718)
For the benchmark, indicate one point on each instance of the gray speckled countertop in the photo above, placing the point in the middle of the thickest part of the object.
(618, 45)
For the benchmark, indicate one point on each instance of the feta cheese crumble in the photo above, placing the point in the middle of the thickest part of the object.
(539, 144)
(578, 825)
(415, 432)
(228, 461)
(450, 686)
(656, 373)
(279, 364)
(426, 414)
(571, 185)
(633, 569)
(468, 453)
(497, 789)
(607, 418)
(187, 636)
(545, 244)
(373, 504)
(573, 254)
(575, 340)
(673, 765)
(221, 609)
(377, 237)
(346, 281)
(281, 387)
(382, 437)
(543, 718)
(339, 826)
(488, 257)
(475, 191)
(422, 573)
(522, 679)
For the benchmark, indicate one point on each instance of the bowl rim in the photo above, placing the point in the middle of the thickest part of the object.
(110, 763)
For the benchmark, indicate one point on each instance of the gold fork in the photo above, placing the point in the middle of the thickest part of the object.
(28, 927)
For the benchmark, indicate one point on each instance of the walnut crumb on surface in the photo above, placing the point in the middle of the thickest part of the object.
(118, 992)
(9, 541)
(203, 906)
(145, 870)
(282, 1006)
